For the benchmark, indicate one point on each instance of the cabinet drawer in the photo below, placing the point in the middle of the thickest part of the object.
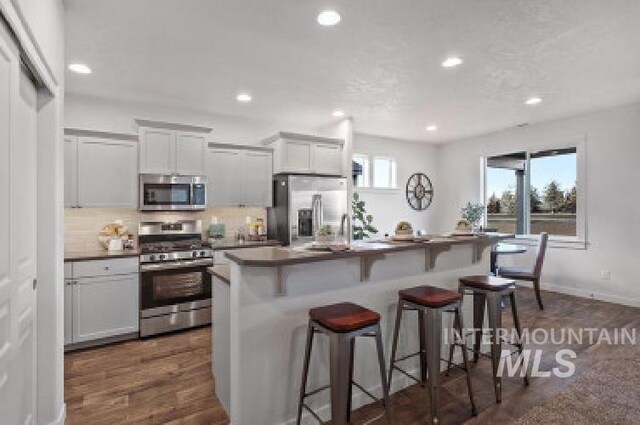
(109, 267)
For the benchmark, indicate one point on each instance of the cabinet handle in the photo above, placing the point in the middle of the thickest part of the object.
(106, 268)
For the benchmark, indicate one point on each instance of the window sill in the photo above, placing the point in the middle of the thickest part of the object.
(565, 242)
(376, 189)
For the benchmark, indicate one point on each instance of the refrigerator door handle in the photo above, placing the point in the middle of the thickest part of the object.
(316, 206)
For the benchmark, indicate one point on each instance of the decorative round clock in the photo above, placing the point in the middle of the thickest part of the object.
(419, 191)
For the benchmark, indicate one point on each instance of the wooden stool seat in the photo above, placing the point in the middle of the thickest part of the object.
(429, 296)
(344, 317)
(487, 283)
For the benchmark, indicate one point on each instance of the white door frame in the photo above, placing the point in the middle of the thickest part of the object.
(50, 218)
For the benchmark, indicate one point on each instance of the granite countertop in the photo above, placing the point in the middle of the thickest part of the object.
(281, 256)
(99, 254)
(230, 243)
(221, 271)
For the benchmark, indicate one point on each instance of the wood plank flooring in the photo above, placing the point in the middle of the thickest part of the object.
(167, 380)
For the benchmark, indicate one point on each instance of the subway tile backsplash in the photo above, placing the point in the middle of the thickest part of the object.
(81, 225)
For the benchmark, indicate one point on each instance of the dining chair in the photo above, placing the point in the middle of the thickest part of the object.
(529, 275)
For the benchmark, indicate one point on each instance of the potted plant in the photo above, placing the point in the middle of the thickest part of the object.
(404, 229)
(473, 214)
(325, 235)
(362, 222)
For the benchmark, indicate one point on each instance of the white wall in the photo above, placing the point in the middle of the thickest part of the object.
(388, 207)
(112, 115)
(611, 190)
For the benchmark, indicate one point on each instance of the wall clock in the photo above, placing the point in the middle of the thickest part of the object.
(419, 191)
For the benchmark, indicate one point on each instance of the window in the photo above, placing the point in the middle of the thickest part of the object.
(379, 173)
(527, 193)
(384, 173)
(360, 173)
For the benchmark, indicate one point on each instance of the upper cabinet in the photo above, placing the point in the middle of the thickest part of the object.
(301, 153)
(172, 148)
(239, 176)
(100, 172)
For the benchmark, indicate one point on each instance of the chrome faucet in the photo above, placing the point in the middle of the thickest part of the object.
(345, 226)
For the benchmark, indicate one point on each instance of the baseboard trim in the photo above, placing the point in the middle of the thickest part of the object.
(585, 293)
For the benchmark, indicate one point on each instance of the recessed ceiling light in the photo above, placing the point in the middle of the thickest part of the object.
(328, 18)
(338, 114)
(452, 61)
(432, 127)
(533, 101)
(243, 97)
(79, 68)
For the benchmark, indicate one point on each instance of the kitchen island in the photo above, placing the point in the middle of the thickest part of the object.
(270, 291)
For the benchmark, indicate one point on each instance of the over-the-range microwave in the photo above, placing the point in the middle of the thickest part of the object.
(160, 192)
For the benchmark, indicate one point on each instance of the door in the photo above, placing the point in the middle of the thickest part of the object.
(104, 306)
(157, 151)
(256, 182)
(327, 159)
(190, 153)
(70, 172)
(18, 240)
(223, 168)
(107, 173)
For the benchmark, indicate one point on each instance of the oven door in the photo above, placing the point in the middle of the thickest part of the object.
(173, 287)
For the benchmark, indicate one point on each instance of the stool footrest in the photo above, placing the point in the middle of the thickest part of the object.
(407, 374)
(310, 410)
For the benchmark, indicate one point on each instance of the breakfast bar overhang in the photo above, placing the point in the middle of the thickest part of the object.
(259, 332)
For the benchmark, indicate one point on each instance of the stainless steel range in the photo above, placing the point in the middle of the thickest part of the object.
(175, 287)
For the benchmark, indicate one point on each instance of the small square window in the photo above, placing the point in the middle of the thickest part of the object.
(360, 170)
(384, 173)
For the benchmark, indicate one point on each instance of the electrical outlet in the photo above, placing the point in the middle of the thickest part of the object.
(605, 274)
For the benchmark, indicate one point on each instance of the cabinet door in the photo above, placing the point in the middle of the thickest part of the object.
(223, 171)
(190, 148)
(68, 311)
(327, 159)
(105, 306)
(107, 173)
(157, 151)
(256, 181)
(296, 156)
(70, 171)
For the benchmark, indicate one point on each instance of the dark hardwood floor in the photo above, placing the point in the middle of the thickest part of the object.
(167, 380)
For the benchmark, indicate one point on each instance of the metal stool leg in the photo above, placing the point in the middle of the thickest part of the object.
(339, 365)
(465, 359)
(352, 349)
(394, 346)
(433, 338)
(452, 345)
(516, 323)
(423, 348)
(495, 324)
(479, 301)
(383, 374)
(305, 369)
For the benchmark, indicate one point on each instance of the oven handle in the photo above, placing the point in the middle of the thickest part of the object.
(172, 265)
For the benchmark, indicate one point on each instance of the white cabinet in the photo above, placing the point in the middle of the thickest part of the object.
(172, 150)
(239, 176)
(305, 154)
(327, 159)
(101, 299)
(157, 151)
(104, 307)
(70, 171)
(100, 172)
(107, 173)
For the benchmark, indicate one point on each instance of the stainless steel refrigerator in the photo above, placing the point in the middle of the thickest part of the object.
(302, 204)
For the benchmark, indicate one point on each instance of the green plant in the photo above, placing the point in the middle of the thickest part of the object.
(404, 226)
(473, 213)
(362, 226)
(325, 230)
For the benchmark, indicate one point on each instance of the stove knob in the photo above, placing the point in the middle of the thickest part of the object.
(194, 254)
(152, 258)
(203, 253)
(162, 256)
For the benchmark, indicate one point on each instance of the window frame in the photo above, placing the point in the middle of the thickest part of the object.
(579, 143)
(366, 170)
(393, 172)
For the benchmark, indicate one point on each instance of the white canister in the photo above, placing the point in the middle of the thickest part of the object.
(115, 244)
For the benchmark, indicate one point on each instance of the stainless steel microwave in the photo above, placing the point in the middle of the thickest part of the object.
(172, 193)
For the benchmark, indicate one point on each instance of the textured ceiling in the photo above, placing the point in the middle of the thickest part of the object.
(381, 64)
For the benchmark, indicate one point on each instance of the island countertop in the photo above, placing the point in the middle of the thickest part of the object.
(282, 256)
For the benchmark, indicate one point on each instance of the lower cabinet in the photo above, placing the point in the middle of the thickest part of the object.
(101, 306)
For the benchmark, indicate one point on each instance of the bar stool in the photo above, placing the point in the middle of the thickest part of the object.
(430, 302)
(489, 290)
(342, 323)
